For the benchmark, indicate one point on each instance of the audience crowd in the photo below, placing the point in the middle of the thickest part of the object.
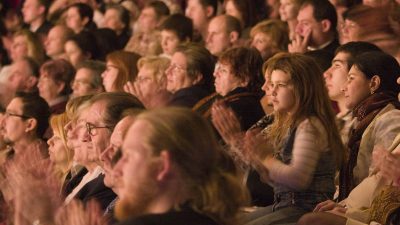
(199, 112)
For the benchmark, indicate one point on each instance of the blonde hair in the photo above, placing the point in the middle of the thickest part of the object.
(215, 189)
(57, 124)
(276, 30)
(35, 47)
(311, 100)
(157, 64)
(74, 105)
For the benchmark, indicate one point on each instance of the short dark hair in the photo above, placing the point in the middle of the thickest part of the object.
(232, 24)
(86, 41)
(84, 10)
(33, 66)
(212, 3)
(37, 108)
(323, 10)
(115, 104)
(105, 40)
(61, 71)
(159, 7)
(46, 4)
(247, 10)
(246, 64)
(123, 14)
(96, 68)
(199, 61)
(381, 64)
(181, 25)
(356, 48)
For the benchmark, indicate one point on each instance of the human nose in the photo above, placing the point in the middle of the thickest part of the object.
(265, 87)
(344, 87)
(50, 141)
(298, 29)
(105, 156)
(327, 74)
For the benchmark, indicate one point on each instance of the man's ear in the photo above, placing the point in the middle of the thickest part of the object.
(85, 20)
(31, 124)
(375, 83)
(42, 9)
(233, 37)
(245, 82)
(164, 166)
(210, 11)
(197, 79)
(60, 87)
(31, 82)
(326, 25)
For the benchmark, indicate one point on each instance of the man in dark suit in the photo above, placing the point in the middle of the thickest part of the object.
(316, 28)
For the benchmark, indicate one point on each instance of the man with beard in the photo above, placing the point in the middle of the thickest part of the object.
(173, 172)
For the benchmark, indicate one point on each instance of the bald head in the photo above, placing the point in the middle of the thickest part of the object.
(56, 39)
(223, 33)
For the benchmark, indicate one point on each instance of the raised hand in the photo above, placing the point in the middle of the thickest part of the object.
(75, 213)
(256, 150)
(299, 44)
(387, 163)
(226, 123)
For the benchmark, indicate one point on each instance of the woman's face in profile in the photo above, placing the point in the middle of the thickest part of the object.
(357, 88)
(109, 76)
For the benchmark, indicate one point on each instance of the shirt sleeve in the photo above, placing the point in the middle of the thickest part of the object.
(310, 141)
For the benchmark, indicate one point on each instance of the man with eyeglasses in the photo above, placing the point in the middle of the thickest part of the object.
(88, 78)
(25, 122)
(96, 124)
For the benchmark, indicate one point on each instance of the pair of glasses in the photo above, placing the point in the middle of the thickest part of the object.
(176, 68)
(93, 129)
(8, 114)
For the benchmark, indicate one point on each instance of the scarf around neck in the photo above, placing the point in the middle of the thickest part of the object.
(364, 113)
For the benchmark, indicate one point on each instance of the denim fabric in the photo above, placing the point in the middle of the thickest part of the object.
(322, 185)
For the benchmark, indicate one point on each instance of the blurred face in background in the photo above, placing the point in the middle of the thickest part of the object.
(32, 10)
(113, 22)
(74, 53)
(19, 48)
(177, 74)
(55, 41)
(74, 20)
(288, 10)
(109, 76)
(169, 41)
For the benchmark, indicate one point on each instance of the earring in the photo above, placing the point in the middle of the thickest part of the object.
(372, 92)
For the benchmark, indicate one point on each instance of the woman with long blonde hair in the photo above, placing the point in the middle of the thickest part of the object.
(60, 154)
(301, 149)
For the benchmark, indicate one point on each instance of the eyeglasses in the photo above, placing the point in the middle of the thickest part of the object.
(93, 129)
(143, 79)
(81, 82)
(8, 114)
(176, 68)
(220, 68)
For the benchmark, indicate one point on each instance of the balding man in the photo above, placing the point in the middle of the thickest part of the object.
(55, 41)
(223, 33)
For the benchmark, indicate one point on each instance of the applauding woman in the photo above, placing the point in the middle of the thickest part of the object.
(301, 148)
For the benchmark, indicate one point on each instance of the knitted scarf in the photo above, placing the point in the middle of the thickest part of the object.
(365, 113)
